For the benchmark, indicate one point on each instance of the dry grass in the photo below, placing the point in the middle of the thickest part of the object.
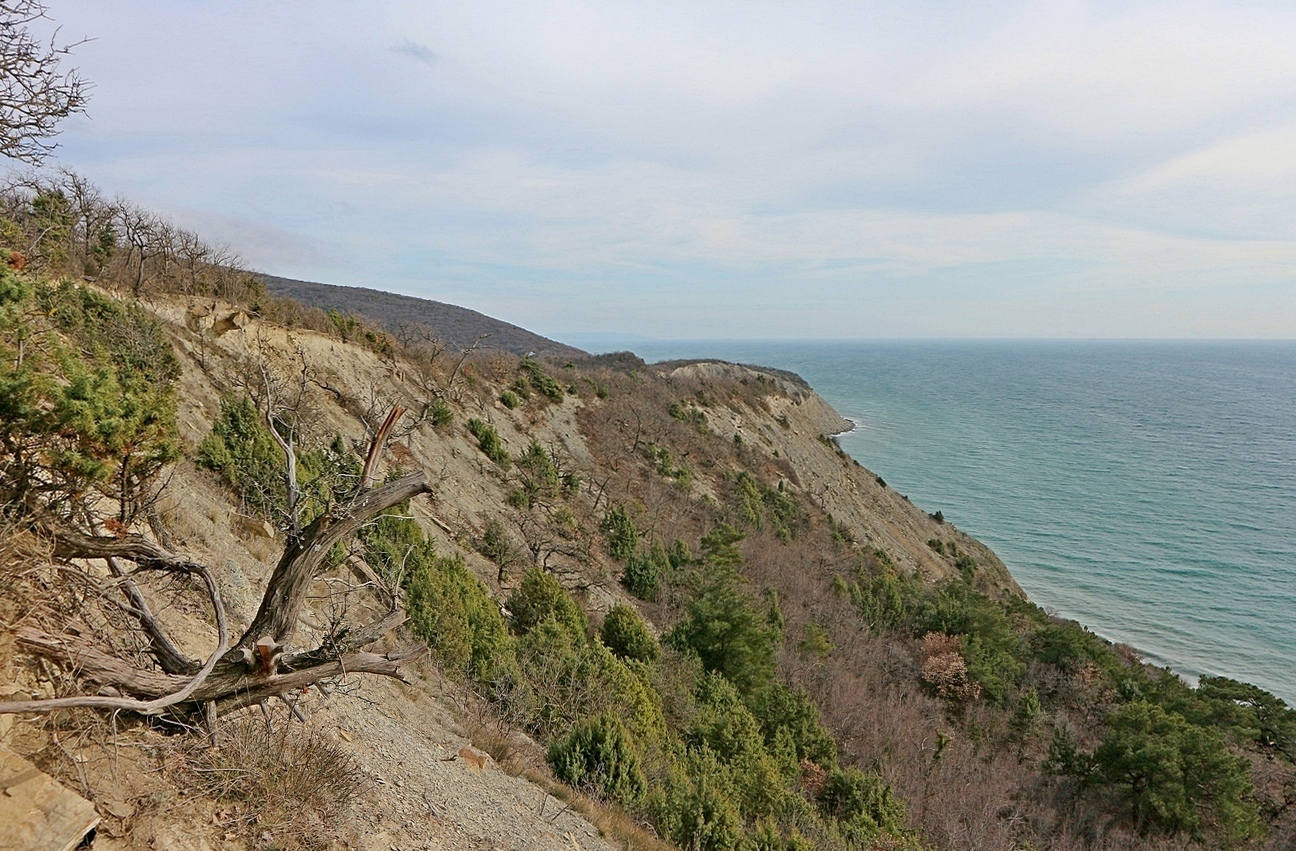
(282, 785)
(512, 752)
(21, 557)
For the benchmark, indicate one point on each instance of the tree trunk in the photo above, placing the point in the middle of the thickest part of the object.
(282, 602)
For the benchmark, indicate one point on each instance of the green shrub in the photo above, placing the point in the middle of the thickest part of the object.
(992, 648)
(760, 787)
(495, 545)
(816, 642)
(104, 328)
(627, 636)
(392, 543)
(886, 600)
(792, 712)
(1066, 644)
(599, 754)
(538, 474)
(722, 723)
(541, 382)
(346, 326)
(326, 476)
(720, 547)
(1175, 776)
(862, 804)
(1028, 713)
(1250, 713)
(725, 630)
(642, 577)
(762, 507)
(539, 597)
(695, 806)
(566, 676)
(1066, 758)
(448, 607)
(488, 441)
(690, 414)
(440, 413)
(676, 556)
(665, 465)
(509, 399)
(242, 452)
(87, 412)
(622, 537)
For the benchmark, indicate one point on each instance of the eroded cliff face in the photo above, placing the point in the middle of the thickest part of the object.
(798, 426)
(427, 784)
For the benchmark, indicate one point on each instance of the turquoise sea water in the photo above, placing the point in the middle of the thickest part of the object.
(1145, 489)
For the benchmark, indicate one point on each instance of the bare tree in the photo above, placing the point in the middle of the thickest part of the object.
(237, 672)
(35, 95)
(143, 232)
(93, 232)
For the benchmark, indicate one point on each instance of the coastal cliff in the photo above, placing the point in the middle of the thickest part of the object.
(894, 683)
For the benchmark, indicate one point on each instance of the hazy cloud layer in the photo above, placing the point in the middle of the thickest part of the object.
(727, 169)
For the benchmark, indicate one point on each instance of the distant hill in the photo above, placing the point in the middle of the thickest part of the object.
(457, 326)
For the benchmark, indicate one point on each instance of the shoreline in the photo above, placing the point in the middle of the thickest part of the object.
(1191, 678)
(978, 432)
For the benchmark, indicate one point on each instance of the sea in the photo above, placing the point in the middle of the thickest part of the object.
(1144, 489)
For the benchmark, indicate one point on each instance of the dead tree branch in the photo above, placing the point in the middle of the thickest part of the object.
(376, 446)
(142, 707)
(251, 669)
(281, 605)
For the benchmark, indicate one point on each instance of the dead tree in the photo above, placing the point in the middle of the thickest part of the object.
(34, 94)
(238, 671)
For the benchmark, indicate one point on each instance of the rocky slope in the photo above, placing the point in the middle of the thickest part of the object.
(428, 785)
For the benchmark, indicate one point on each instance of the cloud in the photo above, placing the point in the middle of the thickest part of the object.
(939, 159)
(419, 52)
(1241, 187)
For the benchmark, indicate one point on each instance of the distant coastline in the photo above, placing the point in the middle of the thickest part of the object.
(1105, 474)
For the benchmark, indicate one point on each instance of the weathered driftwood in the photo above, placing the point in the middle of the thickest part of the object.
(183, 692)
(164, 649)
(230, 684)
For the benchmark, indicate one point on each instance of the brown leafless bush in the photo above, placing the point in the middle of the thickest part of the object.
(283, 783)
(944, 669)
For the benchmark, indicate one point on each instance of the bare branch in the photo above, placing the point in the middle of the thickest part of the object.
(168, 655)
(291, 578)
(384, 664)
(70, 543)
(376, 445)
(34, 95)
(290, 455)
(143, 707)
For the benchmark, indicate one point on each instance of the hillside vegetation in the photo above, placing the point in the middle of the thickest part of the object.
(661, 591)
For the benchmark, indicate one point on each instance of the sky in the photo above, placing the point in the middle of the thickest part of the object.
(685, 170)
